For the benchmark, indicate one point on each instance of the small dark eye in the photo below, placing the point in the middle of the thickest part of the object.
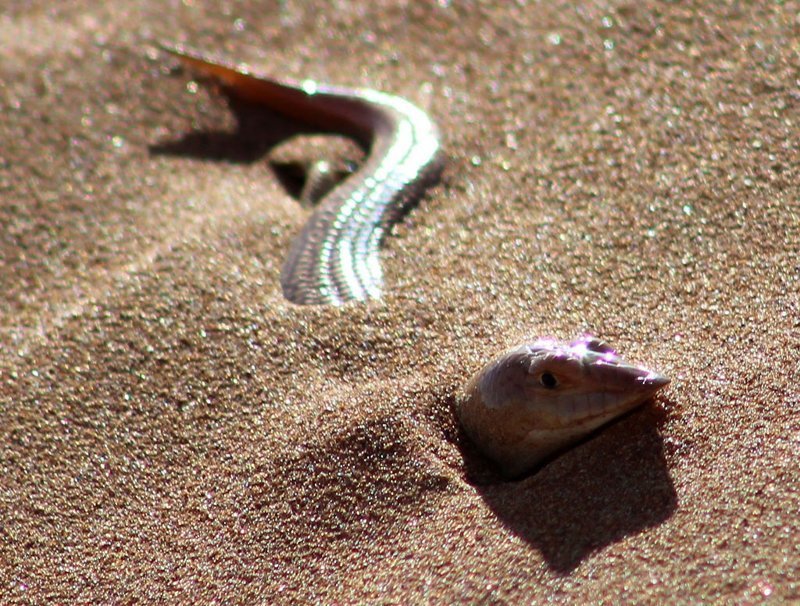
(548, 380)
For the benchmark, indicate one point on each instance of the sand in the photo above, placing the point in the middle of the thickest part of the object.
(173, 431)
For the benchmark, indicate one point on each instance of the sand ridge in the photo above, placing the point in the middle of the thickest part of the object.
(171, 429)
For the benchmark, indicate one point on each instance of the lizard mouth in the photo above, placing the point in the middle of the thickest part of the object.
(619, 388)
(538, 398)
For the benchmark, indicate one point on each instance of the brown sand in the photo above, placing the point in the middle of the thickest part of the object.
(173, 431)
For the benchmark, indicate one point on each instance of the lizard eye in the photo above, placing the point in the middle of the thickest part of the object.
(548, 380)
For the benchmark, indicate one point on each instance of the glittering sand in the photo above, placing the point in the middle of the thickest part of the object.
(173, 431)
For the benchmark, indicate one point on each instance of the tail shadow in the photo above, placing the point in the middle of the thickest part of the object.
(258, 131)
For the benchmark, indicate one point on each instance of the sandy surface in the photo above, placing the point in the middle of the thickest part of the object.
(173, 431)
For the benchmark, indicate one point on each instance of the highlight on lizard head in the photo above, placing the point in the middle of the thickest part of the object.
(525, 405)
(538, 398)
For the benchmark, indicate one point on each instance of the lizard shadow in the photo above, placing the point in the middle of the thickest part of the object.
(576, 505)
(257, 133)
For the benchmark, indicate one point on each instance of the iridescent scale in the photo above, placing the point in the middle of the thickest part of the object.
(335, 258)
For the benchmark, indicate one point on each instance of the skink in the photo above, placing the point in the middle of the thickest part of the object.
(334, 259)
(530, 402)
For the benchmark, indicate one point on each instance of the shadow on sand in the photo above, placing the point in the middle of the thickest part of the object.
(258, 131)
(614, 485)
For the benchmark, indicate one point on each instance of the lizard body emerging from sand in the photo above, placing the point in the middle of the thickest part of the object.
(530, 402)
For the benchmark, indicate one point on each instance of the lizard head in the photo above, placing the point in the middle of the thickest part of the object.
(540, 397)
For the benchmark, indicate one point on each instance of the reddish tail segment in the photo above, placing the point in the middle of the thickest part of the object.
(335, 259)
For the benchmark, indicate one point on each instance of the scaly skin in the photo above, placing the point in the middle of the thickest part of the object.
(334, 259)
(538, 398)
(527, 404)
